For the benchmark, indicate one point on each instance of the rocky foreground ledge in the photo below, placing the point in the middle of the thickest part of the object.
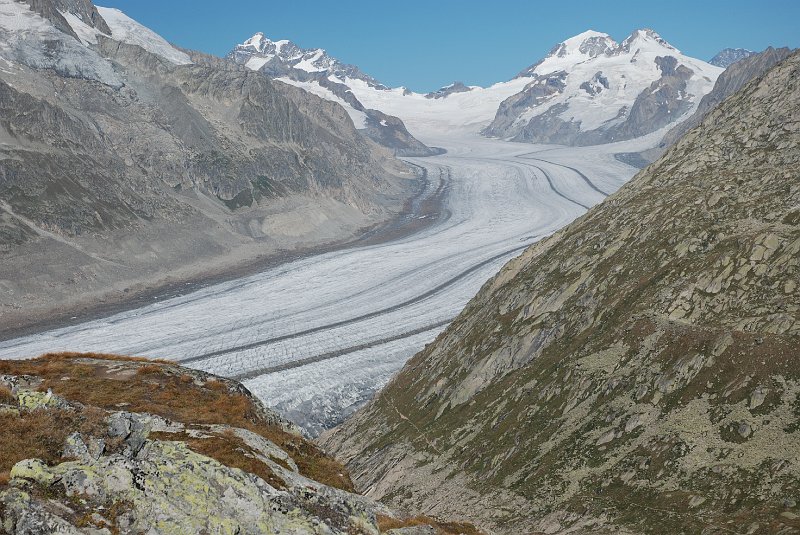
(96, 444)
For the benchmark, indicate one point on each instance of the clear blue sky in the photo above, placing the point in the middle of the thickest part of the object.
(427, 44)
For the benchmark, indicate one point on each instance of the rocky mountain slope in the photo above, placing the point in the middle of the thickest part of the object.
(125, 158)
(100, 444)
(636, 372)
(728, 56)
(591, 89)
(316, 71)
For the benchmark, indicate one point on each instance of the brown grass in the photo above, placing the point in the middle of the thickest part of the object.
(386, 523)
(149, 369)
(170, 395)
(71, 355)
(41, 434)
(6, 397)
(229, 450)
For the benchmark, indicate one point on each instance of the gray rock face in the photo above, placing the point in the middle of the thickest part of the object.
(83, 9)
(536, 93)
(390, 132)
(728, 56)
(658, 105)
(596, 85)
(177, 165)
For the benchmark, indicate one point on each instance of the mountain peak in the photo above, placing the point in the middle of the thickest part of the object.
(279, 56)
(728, 56)
(645, 36)
(589, 43)
(264, 45)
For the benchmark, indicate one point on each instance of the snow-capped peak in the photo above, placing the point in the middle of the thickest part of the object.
(262, 45)
(256, 42)
(593, 84)
(589, 43)
(576, 49)
(645, 37)
(260, 52)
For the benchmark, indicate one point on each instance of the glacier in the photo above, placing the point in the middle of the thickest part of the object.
(315, 338)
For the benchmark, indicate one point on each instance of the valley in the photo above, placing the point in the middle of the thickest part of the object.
(315, 338)
(251, 288)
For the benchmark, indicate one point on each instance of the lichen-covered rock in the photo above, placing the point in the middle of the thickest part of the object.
(32, 400)
(97, 470)
(26, 516)
(168, 488)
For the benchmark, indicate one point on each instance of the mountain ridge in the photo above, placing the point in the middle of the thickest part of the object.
(728, 56)
(543, 103)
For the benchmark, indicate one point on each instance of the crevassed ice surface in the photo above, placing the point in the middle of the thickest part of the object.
(315, 338)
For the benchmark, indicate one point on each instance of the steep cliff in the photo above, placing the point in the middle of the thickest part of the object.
(636, 372)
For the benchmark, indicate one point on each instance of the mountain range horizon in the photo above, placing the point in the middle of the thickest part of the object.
(479, 46)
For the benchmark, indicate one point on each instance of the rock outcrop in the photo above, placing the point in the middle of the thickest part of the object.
(446, 91)
(636, 372)
(100, 444)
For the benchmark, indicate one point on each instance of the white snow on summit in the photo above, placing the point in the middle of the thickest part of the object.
(591, 59)
(627, 69)
(264, 49)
